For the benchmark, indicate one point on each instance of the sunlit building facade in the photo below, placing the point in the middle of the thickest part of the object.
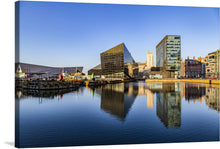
(218, 63)
(149, 59)
(212, 64)
(168, 54)
(182, 69)
(117, 62)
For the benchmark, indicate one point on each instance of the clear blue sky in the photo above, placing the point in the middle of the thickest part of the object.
(74, 34)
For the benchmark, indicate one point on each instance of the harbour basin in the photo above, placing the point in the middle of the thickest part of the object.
(124, 113)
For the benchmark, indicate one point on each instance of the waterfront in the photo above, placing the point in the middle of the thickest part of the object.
(135, 112)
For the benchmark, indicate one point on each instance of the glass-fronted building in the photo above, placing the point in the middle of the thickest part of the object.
(117, 62)
(168, 53)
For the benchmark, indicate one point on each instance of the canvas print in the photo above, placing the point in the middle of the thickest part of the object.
(107, 74)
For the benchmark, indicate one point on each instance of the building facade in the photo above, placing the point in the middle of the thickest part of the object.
(97, 70)
(117, 62)
(193, 68)
(39, 71)
(149, 59)
(212, 64)
(19, 73)
(182, 69)
(168, 54)
(218, 64)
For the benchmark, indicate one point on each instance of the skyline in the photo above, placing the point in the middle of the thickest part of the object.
(60, 31)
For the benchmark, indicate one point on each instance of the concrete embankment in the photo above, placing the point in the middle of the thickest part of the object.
(54, 84)
(46, 84)
(102, 82)
(205, 81)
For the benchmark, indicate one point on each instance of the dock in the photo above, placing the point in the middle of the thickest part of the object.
(47, 84)
(205, 81)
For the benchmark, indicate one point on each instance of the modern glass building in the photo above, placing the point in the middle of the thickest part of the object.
(168, 53)
(117, 62)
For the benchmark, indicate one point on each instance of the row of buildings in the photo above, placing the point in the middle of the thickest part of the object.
(168, 58)
(207, 67)
(170, 65)
(118, 62)
(32, 71)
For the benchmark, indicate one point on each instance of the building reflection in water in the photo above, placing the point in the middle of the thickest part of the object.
(117, 99)
(150, 99)
(209, 93)
(168, 104)
(43, 94)
(194, 92)
(212, 98)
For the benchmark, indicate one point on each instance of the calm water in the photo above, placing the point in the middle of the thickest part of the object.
(119, 114)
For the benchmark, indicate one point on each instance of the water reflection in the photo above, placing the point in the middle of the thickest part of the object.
(212, 98)
(43, 95)
(194, 92)
(117, 99)
(168, 103)
(135, 112)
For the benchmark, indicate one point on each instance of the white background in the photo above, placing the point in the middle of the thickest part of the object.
(7, 71)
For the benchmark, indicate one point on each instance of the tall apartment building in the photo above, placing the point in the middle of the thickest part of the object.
(149, 59)
(168, 54)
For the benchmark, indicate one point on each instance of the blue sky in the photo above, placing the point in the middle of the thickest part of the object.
(74, 34)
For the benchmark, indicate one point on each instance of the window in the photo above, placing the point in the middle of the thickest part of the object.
(211, 57)
(176, 37)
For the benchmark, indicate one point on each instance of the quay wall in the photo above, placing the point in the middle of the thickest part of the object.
(205, 81)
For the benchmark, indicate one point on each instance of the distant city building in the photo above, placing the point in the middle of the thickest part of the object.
(19, 73)
(156, 73)
(168, 55)
(182, 69)
(212, 63)
(202, 60)
(117, 62)
(143, 70)
(149, 59)
(141, 66)
(203, 70)
(39, 71)
(97, 70)
(193, 68)
(218, 63)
